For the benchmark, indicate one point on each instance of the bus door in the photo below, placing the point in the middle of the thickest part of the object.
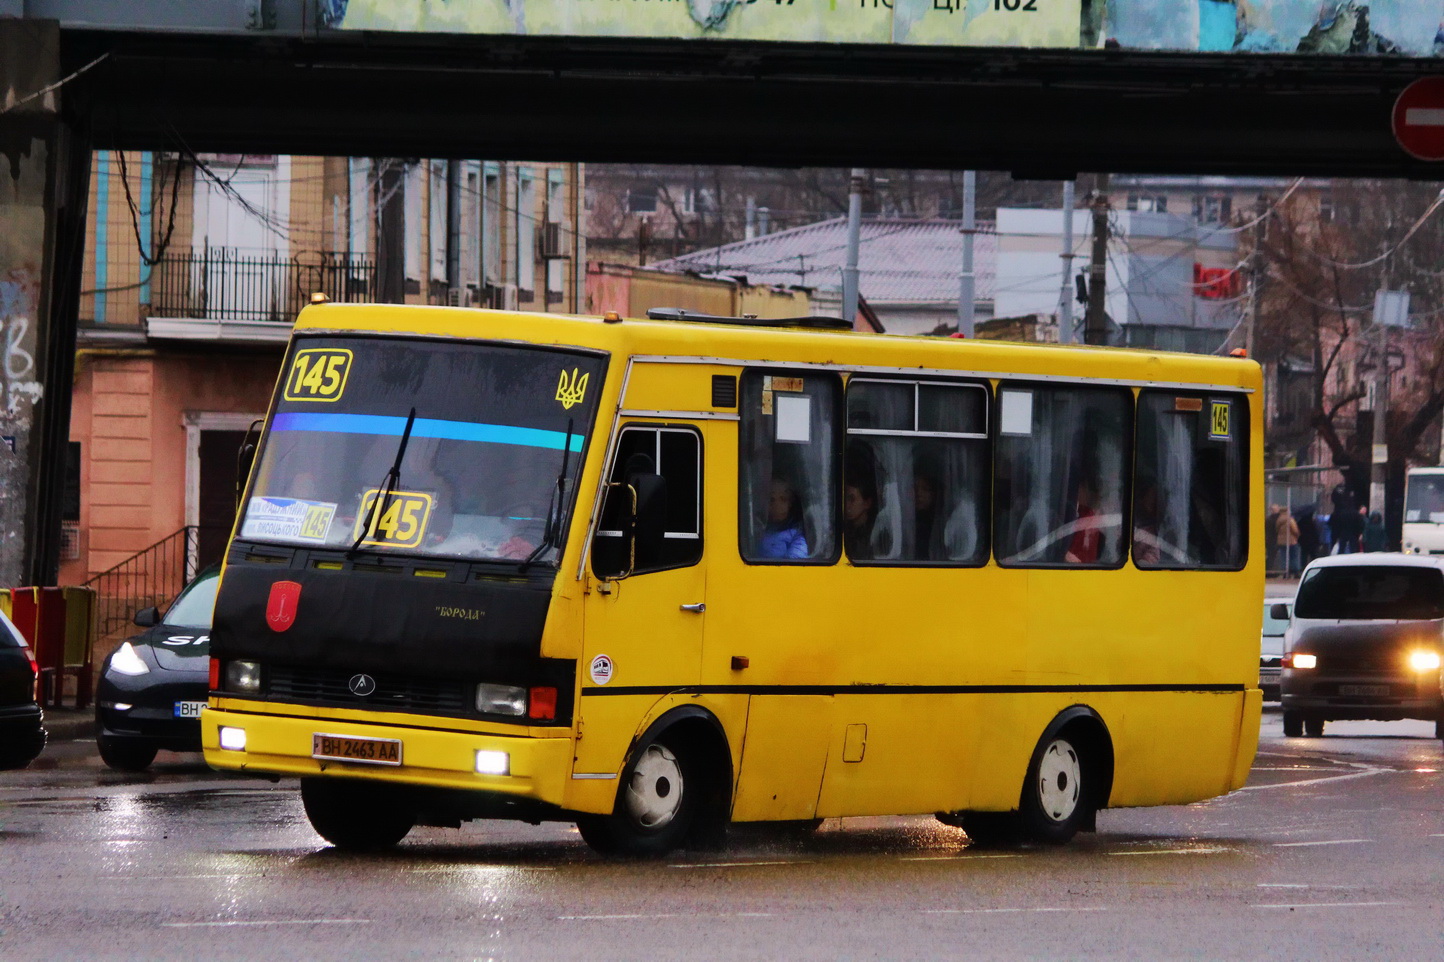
(645, 609)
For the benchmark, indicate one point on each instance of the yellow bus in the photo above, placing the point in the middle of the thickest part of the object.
(655, 576)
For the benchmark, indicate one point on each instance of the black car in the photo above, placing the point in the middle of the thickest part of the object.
(153, 687)
(22, 734)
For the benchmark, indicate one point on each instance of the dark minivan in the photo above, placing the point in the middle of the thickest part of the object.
(1365, 642)
(22, 735)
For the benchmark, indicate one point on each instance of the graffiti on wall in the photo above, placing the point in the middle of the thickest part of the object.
(1396, 27)
(20, 390)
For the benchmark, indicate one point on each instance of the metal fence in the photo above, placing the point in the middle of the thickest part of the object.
(221, 283)
(150, 577)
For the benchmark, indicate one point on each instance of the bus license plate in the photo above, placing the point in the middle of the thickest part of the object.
(189, 709)
(345, 748)
(1365, 691)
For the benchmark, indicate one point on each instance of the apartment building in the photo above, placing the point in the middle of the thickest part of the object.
(194, 270)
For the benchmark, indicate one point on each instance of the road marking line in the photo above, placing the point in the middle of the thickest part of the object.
(1098, 908)
(1306, 885)
(1336, 841)
(1326, 905)
(1316, 781)
(783, 861)
(235, 922)
(663, 915)
(953, 858)
(1176, 851)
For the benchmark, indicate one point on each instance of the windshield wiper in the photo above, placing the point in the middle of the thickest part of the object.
(393, 477)
(551, 534)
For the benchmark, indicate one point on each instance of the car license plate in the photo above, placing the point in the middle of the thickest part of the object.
(346, 748)
(1364, 690)
(189, 709)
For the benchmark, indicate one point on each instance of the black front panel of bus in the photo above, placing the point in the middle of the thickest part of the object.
(460, 630)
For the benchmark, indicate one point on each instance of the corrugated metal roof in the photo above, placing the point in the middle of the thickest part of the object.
(899, 261)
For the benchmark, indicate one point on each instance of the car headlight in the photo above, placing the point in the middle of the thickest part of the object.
(1299, 660)
(243, 676)
(127, 660)
(1422, 660)
(500, 700)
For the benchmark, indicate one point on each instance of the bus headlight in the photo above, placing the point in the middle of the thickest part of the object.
(1299, 660)
(500, 700)
(1422, 660)
(243, 676)
(233, 739)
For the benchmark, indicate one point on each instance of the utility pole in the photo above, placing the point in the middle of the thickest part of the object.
(1065, 294)
(854, 241)
(1255, 274)
(1095, 328)
(966, 281)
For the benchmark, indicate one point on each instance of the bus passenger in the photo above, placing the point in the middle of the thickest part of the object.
(783, 537)
(925, 514)
(859, 511)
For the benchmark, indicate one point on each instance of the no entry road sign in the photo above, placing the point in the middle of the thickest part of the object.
(1418, 119)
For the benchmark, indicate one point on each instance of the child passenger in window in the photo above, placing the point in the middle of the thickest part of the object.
(783, 537)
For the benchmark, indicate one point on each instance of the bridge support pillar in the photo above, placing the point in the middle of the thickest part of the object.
(44, 185)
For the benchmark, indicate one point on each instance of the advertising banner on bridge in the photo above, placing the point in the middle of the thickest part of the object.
(1401, 27)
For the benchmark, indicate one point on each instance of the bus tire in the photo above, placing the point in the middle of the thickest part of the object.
(355, 816)
(1314, 727)
(1057, 797)
(657, 801)
(1293, 724)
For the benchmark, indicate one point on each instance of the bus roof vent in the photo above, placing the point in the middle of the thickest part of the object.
(750, 320)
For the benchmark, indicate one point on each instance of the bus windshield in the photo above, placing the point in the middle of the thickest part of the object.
(1425, 498)
(425, 448)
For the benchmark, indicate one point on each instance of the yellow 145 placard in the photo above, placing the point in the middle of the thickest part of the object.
(318, 374)
(398, 523)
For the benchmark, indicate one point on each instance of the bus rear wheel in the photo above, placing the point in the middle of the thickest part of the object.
(356, 816)
(1057, 798)
(656, 804)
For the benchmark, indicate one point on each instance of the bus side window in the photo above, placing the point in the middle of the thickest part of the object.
(1191, 493)
(788, 486)
(664, 465)
(1060, 475)
(917, 467)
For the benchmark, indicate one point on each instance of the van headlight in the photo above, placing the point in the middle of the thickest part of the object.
(1422, 660)
(1299, 660)
(127, 660)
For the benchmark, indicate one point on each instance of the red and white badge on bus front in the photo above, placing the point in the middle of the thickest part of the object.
(281, 605)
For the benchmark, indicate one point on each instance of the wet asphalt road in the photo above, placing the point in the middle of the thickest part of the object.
(1334, 851)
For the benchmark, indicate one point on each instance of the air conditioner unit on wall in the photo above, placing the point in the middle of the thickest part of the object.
(553, 241)
(508, 297)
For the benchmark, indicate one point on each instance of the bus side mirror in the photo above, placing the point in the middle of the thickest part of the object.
(633, 526)
(1279, 612)
(245, 455)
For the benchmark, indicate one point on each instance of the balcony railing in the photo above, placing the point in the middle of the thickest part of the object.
(223, 284)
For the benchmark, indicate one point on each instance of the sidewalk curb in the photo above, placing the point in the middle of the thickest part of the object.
(69, 724)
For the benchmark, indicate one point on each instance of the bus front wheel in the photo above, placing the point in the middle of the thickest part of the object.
(355, 816)
(655, 805)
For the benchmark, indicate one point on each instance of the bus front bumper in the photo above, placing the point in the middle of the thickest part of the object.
(526, 768)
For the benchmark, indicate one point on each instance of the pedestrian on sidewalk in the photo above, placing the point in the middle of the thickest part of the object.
(1286, 530)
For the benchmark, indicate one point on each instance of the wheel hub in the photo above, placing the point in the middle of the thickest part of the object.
(654, 794)
(1060, 776)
